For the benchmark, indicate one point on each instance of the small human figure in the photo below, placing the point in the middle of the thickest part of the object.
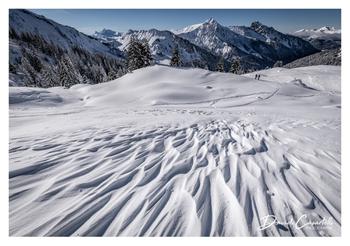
(256, 76)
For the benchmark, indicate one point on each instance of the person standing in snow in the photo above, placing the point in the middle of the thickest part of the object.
(256, 76)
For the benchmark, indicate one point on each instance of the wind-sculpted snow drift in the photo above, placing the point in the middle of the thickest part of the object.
(186, 152)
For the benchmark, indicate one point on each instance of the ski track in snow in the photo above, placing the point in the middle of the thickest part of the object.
(217, 179)
(213, 167)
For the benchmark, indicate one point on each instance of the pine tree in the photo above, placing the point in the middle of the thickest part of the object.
(121, 72)
(13, 34)
(85, 79)
(278, 64)
(62, 73)
(134, 60)
(220, 65)
(12, 68)
(68, 76)
(33, 60)
(31, 78)
(175, 59)
(112, 75)
(49, 77)
(146, 53)
(235, 66)
(138, 54)
(102, 73)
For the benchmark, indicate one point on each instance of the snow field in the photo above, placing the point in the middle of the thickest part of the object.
(165, 151)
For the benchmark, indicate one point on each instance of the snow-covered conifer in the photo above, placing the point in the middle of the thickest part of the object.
(175, 59)
(146, 53)
(278, 64)
(235, 67)
(67, 73)
(220, 65)
(31, 78)
(49, 77)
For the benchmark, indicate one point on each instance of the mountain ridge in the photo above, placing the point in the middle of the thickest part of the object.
(24, 21)
(323, 38)
(251, 45)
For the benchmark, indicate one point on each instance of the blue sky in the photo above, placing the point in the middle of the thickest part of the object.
(285, 20)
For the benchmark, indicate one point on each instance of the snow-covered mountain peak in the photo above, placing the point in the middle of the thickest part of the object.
(261, 28)
(301, 30)
(323, 38)
(210, 25)
(321, 30)
(256, 24)
(327, 29)
(212, 21)
(106, 34)
(129, 31)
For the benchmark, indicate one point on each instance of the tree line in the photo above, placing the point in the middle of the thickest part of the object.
(235, 68)
(44, 64)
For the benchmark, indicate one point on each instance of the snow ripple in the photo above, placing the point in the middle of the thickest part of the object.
(214, 178)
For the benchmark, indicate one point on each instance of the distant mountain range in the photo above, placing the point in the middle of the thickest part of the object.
(201, 45)
(257, 46)
(323, 38)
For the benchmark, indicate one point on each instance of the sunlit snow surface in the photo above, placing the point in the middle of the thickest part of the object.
(166, 151)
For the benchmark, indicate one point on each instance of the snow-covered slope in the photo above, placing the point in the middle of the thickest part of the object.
(24, 21)
(171, 86)
(166, 151)
(325, 57)
(324, 78)
(323, 38)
